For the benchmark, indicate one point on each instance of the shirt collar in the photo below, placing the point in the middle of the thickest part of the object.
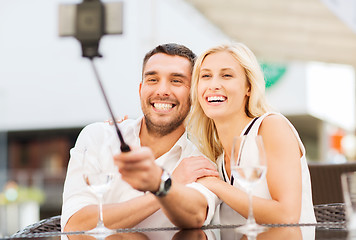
(135, 129)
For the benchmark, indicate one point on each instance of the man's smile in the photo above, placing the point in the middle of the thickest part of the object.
(163, 106)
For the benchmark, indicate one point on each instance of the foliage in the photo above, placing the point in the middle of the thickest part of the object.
(17, 194)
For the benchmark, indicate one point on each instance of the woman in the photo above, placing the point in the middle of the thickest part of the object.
(227, 95)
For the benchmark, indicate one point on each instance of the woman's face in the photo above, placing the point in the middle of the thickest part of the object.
(222, 86)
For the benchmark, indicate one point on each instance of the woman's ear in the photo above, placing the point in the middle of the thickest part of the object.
(248, 93)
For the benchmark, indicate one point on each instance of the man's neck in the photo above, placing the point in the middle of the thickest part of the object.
(159, 144)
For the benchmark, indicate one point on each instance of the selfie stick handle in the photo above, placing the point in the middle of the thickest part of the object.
(124, 147)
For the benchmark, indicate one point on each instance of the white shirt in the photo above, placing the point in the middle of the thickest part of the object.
(228, 216)
(77, 195)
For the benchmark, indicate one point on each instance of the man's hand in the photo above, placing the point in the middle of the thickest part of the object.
(138, 169)
(192, 168)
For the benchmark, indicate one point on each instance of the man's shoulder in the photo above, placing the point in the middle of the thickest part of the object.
(189, 148)
(97, 130)
(95, 127)
(98, 127)
(130, 123)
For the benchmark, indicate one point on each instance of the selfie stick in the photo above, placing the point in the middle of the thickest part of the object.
(124, 147)
(90, 22)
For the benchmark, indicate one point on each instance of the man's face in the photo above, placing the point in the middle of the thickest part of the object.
(164, 92)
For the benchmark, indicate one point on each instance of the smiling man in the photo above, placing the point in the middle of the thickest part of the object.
(158, 175)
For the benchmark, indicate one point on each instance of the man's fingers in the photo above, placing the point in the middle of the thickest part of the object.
(135, 155)
(136, 166)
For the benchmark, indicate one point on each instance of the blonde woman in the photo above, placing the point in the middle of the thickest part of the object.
(227, 99)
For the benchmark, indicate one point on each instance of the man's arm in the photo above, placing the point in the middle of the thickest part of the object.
(116, 215)
(80, 209)
(184, 206)
(138, 168)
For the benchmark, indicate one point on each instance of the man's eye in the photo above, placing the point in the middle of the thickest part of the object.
(177, 81)
(151, 80)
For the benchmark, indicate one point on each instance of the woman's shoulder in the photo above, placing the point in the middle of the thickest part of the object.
(273, 118)
(275, 123)
(278, 131)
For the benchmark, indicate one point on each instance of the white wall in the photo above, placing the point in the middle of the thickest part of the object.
(44, 81)
(331, 93)
(323, 90)
(289, 94)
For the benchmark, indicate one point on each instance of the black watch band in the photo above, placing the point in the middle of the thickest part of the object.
(165, 184)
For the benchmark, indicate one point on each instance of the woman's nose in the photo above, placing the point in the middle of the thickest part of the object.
(215, 84)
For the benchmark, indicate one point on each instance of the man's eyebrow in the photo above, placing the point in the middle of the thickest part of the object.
(150, 73)
(178, 75)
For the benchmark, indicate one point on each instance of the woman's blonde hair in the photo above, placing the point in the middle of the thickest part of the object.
(202, 130)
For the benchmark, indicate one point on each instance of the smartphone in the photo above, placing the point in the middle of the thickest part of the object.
(71, 16)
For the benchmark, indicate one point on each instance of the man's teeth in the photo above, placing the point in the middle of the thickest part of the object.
(216, 99)
(163, 106)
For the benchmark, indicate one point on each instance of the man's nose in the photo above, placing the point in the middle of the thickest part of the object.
(164, 88)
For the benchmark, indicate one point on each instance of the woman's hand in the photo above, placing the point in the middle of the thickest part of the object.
(192, 168)
(119, 120)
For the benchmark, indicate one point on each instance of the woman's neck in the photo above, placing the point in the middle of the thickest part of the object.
(229, 128)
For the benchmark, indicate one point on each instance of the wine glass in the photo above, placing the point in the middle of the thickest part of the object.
(248, 167)
(99, 172)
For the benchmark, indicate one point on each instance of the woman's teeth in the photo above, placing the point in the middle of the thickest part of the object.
(216, 99)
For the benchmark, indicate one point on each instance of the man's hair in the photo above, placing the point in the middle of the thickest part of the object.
(172, 49)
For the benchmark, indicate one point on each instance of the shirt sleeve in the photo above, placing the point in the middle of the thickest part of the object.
(76, 193)
(211, 198)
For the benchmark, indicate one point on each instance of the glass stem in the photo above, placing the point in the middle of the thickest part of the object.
(101, 219)
(250, 219)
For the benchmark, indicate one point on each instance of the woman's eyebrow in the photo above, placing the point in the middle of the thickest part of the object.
(224, 69)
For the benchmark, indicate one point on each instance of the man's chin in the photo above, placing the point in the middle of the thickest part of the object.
(165, 119)
(163, 126)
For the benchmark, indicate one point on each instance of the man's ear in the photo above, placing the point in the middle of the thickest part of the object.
(139, 89)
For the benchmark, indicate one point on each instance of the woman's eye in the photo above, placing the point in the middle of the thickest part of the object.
(205, 76)
(227, 76)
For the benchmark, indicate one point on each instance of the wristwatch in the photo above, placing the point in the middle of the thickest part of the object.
(165, 184)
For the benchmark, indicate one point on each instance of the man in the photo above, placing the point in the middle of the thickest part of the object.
(159, 147)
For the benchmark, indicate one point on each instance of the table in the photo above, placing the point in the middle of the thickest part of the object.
(214, 232)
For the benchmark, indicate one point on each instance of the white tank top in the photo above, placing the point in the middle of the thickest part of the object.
(227, 215)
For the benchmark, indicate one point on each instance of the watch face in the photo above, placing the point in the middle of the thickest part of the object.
(167, 184)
